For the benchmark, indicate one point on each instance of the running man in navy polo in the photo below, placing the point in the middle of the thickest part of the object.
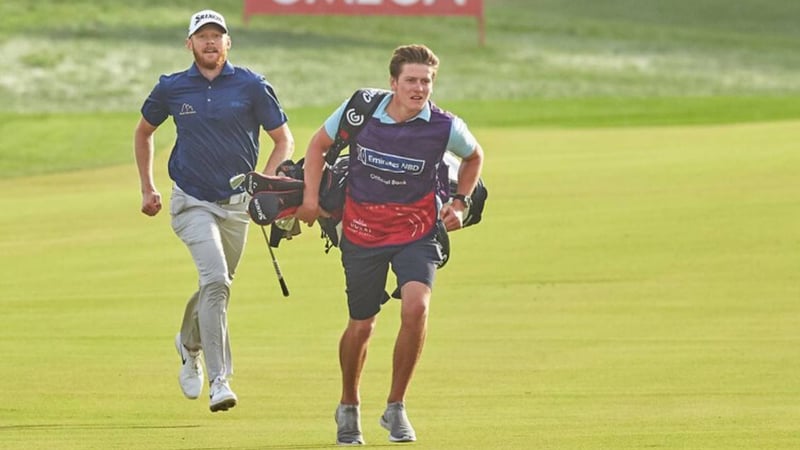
(218, 110)
(389, 218)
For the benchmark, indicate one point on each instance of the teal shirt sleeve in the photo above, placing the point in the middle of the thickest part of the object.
(332, 123)
(461, 143)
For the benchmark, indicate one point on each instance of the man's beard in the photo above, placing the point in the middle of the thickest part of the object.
(201, 61)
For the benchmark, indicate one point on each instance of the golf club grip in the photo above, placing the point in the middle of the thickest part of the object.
(284, 288)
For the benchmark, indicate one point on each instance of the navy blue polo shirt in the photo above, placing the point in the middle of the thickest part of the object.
(217, 125)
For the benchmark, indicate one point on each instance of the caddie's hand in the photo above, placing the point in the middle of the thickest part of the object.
(151, 203)
(452, 216)
(309, 213)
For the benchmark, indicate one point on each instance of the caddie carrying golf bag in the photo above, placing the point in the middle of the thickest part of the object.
(282, 199)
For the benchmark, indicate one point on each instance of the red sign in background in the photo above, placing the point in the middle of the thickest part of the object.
(369, 7)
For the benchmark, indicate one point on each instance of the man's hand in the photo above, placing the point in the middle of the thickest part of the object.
(151, 203)
(452, 215)
(309, 213)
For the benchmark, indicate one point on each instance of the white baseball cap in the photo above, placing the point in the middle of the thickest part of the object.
(203, 17)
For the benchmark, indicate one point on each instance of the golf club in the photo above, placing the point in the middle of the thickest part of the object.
(235, 182)
(284, 288)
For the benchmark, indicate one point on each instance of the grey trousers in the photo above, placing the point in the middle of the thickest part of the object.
(215, 236)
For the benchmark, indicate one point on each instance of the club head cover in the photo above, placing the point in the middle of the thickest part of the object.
(266, 206)
(255, 182)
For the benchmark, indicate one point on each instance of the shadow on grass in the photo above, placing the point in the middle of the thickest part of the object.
(90, 426)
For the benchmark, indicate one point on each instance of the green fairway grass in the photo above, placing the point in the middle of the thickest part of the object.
(628, 288)
(55, 142)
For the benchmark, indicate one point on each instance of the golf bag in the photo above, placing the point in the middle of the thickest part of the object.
(273, 197)
(277, 197)
(447, 177)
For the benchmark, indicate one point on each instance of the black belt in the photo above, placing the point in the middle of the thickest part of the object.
(234, 199)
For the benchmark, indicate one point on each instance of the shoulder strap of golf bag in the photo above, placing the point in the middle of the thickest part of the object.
(357, 112)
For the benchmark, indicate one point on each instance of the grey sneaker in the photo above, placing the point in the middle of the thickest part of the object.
(191, 375)
(396, 421)
(348, 421)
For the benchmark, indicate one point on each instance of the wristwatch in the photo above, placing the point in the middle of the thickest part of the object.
(465, 199)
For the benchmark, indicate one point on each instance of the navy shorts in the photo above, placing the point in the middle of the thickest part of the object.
(366, 270)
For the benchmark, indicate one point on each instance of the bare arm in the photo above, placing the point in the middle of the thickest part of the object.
(144, 149)
(282, 149)
(313, 166)
(468, 173)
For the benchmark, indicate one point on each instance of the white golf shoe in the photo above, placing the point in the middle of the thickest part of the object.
(221, 396)
(191, 375)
